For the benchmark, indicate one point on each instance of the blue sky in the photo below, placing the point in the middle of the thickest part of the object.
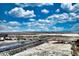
(39, 17)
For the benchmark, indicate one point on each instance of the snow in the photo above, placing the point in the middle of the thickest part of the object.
(47, 49)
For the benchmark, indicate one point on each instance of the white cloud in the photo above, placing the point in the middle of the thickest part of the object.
(59, 18)
(67, 6)
(29, 29)
(76, 7)
(3, 21)
(57, 28)
(47, 22)
(40, 25)
(77, 16)
(32, 4)
(64, 17)
(58, 10)
(70, 7)
(41, 4)
(13, 24)
(75, 27)
(3, 27)
(32, 19)
(20, 12)
(45, 11)
(42, 20)
(73, 14)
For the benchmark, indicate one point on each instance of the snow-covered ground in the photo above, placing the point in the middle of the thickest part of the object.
(47, 49)
(7, 41)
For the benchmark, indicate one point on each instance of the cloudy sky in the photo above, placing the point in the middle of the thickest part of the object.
(39, 17)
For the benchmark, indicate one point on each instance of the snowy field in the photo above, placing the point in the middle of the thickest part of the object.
(48, 49)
